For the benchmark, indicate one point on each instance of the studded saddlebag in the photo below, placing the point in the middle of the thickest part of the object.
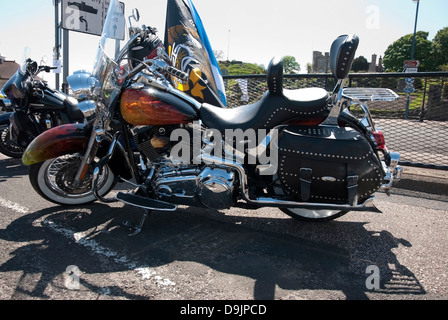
(327, 164)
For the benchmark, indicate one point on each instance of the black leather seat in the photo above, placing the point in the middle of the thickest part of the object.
(277, 106)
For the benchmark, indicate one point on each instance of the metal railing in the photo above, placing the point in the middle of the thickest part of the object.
(415, 125)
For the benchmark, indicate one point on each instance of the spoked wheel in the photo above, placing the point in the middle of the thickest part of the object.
(8, 146)
(314, 215)
(53, 180)
(309, 215)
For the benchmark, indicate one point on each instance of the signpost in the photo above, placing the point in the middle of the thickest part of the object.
(83, 16)
(411, 70)
(409, 85)
(86, 16)
(410, 66)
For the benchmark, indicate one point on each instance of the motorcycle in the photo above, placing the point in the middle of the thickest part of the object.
(5, 113)
(301, 150)
(5, 103)
(35, 108)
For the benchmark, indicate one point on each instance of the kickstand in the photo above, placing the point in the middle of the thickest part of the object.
(137, 227)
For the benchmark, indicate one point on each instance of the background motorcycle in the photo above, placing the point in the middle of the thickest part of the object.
(5, 103)
(7, 147)
(35, 108)
(329, 161)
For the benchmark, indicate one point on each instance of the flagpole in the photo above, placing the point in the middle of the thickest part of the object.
(228, 45)
(57, 39)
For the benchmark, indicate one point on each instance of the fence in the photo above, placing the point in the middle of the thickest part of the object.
(415, 125)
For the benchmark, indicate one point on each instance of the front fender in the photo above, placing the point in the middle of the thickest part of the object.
(58, 141)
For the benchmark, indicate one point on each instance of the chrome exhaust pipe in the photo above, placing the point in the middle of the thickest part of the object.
(393, 172)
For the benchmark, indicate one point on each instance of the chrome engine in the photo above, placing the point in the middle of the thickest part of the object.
(212, 187)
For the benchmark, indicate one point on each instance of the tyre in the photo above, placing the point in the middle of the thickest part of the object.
(309, 215)
(53, 179)
(7, 146)
(314, 215)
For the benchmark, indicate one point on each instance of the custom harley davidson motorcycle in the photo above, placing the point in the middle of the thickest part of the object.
(298, 150)
(35, 107)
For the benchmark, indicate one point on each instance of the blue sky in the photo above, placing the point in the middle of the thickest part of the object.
(247, 30)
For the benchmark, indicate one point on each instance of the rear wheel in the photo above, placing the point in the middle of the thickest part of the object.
(309, 215)
(53, 180)
(313, 215)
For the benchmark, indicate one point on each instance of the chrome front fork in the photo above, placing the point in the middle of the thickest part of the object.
(100, 165)
(89, 154)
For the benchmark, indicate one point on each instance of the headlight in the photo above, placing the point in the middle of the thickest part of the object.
(82, 83)
(88, 108)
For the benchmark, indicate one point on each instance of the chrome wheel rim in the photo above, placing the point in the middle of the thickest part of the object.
(60, 173)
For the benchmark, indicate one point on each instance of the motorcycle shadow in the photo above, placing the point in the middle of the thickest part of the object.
(225, 255)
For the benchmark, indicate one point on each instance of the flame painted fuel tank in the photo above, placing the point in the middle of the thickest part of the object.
(153, 107)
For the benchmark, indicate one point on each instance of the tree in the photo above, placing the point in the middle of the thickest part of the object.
(400, 51)
(360, 64)
(290, 65)
(219, 54)
(240, 68)
(440, 48)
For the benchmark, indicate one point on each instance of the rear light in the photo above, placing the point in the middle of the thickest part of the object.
(378, 137)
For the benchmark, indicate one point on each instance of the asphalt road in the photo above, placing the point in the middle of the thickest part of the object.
(49, 252)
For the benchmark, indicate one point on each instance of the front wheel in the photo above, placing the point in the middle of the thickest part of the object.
(53, 180)
(8, 146)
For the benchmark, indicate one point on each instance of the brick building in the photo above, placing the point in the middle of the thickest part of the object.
(7, 70)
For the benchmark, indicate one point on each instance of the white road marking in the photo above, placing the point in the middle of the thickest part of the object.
(13, 206)
(81, 238)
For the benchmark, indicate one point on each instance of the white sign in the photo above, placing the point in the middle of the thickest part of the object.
(411, 70)
(58, 65)
(85, 16)
(116, 23)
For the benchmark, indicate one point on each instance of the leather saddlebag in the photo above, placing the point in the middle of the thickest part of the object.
(327, 164)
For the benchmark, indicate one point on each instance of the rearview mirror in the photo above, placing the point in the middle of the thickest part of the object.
(135, 14)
